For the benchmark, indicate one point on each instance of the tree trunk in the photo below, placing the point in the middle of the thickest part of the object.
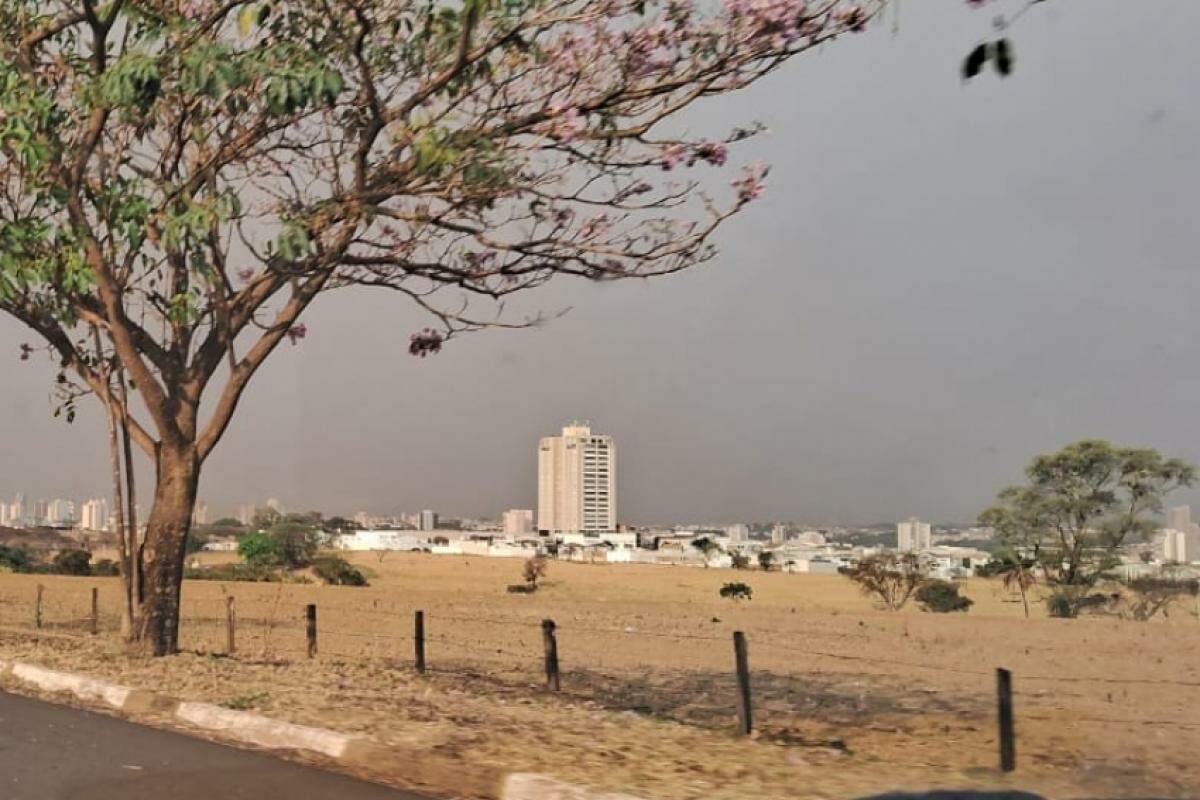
(170, 520)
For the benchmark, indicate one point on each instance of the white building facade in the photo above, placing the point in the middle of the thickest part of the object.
(577, 482)
(518, 522)
(912, 535)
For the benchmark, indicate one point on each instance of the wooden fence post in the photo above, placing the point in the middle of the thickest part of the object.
(742, 663)
(1008, 738)
(419, 640)
(310, 628)
(550, 643)
(37, 608)
(95, 611)
(230, 626)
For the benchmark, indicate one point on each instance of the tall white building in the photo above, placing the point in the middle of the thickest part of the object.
(518, 522)
(577, 482)
(93, 516)
(1175, 546)
(428, 520)
(913, 535)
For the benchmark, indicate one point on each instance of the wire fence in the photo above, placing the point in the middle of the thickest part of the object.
(696, 678)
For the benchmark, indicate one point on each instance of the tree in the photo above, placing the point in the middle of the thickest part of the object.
(890, 577)
(766, 560)
(261, 550)
(739, 560)
(183, 180)
(707, 546)
(1082, 504)
(1016, 571)
(533, 571)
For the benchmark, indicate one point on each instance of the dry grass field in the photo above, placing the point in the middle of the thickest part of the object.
(850, 700)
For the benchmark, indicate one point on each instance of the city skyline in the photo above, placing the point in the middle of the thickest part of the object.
(840, 360)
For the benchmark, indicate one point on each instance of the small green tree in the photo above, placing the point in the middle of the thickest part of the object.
(261, 550)
(766, 560)
(740, 560)
(1082, 504)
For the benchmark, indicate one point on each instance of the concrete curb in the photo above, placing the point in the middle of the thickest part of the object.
(423, 768)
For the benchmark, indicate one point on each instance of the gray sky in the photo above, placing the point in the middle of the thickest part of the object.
(942, 281)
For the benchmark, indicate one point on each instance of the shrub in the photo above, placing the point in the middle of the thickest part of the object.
(106, 568)
(1151, 594)
(766, 560)
(1066, 602)
(522, 588)
(533, 571)
(942, 597)
(736, 591)
(233, 572)
(890, 577)
(15, 559)
(71, 562)
(740, 560)
(337, 571)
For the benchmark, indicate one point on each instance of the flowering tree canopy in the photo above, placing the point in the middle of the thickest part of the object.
(180, 179)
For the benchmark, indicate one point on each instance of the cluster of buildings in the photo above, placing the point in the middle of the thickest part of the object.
(89, 515)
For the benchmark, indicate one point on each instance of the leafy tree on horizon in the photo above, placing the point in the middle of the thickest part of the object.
(1082, 504)
(182, 179)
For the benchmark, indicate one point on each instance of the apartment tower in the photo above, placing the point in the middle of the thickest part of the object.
(577, 482)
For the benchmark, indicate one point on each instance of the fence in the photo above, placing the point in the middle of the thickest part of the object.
(527, 650)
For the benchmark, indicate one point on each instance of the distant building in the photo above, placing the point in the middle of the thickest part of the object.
(428, 520)
(93, 516)
(778, 534)
(577, 482)
(738, 533)
(200, 513)
(912, 535)
(518, 522)
(1179, 518)
(1175, 546)
(245, 514)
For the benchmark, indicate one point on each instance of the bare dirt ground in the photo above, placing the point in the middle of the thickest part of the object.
(850, 700)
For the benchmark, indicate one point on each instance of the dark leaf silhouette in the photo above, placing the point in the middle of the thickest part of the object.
(1004, 57)
(974, 61)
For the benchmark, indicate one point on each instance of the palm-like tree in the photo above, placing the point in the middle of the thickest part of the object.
(1017, 572)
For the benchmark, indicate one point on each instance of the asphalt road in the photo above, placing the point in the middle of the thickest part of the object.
(50, 752)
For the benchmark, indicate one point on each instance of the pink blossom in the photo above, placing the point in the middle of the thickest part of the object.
(750, 186)
(297, 332)
(672, 156)
(595, 226)
(245, 274)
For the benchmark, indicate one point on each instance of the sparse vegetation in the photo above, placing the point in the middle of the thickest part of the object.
(533, 570)
(1154, 594)
(740, 560)
(337, 571)
(71, 562)
(890, 578)
(941, 597)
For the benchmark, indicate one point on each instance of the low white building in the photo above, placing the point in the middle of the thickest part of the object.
(380, 540)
